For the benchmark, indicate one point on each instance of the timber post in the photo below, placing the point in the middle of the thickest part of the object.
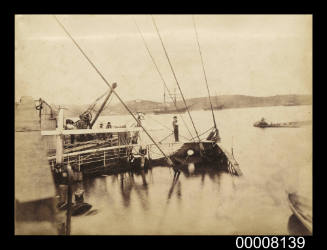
(60, 137)
(104, 158)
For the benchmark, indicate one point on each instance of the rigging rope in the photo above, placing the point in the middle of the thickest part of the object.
(204, 72)
(164, 82)
(171, 67)
(169, 128)
(113, 91)
(206, 131)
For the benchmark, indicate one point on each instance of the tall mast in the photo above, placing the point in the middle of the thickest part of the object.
(175, 77)
(204, 73)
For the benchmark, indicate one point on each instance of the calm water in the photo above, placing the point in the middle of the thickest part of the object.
(273, 161)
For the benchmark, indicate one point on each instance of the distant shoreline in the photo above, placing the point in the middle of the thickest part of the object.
(195, 104)
(149, 113)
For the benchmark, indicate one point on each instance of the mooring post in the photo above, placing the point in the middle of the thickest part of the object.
(104, 158)
(79, 163)
(70, 197)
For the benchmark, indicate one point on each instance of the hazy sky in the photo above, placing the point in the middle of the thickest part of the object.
(258, 55)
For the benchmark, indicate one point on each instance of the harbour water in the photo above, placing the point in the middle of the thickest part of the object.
(274, 161)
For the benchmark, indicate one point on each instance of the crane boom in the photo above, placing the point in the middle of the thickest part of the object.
(114, 85)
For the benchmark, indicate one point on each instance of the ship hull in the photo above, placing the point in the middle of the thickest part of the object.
(212, 154)
(173, 111)
(301, 208)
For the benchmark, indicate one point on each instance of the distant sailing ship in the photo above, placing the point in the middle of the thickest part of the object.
(292, 102)
(216, 107)
(169, 110)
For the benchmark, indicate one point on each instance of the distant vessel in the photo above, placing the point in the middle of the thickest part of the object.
(169, 110)
(263, 124)
(216, 107)
(290, 104)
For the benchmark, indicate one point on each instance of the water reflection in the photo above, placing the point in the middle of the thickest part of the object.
(175, 181)
(128, 184)
(156, 195)
(158, 203)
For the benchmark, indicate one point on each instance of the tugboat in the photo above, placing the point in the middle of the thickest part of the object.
(263, 124)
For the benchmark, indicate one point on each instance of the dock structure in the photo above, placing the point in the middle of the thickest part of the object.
(35, 211)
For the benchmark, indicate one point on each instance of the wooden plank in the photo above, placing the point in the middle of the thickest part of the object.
(95, 150)
(60, 139)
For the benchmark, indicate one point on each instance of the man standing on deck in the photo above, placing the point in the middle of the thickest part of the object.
(175, 126)
(101, 136)
(109, 126)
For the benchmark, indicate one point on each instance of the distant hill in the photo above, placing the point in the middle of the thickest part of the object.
(228, 101)
(144, 106)
(243, 101)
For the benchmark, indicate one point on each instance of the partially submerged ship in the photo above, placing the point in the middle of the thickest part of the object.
(95, 150)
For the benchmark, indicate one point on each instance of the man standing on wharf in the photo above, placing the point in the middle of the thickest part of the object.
(175, 126)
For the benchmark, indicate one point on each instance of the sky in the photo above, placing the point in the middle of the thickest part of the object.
(258, 55)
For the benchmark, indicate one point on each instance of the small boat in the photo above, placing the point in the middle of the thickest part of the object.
(302, 208)
(263, 124)
(290, 104)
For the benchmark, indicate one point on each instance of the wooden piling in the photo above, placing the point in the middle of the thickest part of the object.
(59, 138)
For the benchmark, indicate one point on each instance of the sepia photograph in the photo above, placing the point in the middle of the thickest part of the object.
(161, 124)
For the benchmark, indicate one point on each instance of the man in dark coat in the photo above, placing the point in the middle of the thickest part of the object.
(175, 126)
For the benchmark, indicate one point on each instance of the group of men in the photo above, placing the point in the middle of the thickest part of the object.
(108, 125)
